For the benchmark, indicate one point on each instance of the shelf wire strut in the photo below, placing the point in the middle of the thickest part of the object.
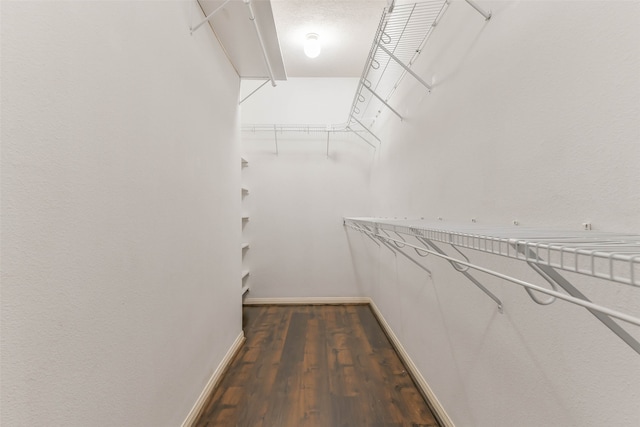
(610, 256)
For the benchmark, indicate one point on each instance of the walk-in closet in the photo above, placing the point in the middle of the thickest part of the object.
(288, 213)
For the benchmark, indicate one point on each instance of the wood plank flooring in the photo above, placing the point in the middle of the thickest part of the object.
(315, 366)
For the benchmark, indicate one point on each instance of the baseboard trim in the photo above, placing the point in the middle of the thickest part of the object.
(436, 406)
(213, 381)
(307, 301)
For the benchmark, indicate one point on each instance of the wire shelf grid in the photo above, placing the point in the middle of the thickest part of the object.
(609, 256)
(403, 32)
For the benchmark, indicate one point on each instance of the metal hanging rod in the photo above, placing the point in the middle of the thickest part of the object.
(309, 129)
(254, 24)
(300, 128)
(611, 256)
(252, 17)
(461, 269)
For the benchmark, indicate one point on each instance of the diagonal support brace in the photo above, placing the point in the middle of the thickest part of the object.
(407, 69)
(552, 274)
(481, 11)
(254, 91)
(360, 136)
(465, 273)
(396, 249)
(209, 16)
(366, 128)
(381, 100)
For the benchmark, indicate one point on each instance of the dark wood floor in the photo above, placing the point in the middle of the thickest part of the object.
(321, 366)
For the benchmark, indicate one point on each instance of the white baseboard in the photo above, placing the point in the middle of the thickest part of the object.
(213, 381)
(435, 404)
(307, 301)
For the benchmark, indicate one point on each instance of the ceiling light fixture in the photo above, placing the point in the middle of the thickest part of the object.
(312, 45)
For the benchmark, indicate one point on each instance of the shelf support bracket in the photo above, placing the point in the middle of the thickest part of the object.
(407, 69)
(381, 100)
(254, 91)
(359, 228)
(360, 136)
(465, 273)
(574, 292)
(487, 15)
(396, 249)
(209, 16)
(366, 128)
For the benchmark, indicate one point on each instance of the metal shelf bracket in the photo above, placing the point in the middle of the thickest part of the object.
(555, 278)
(208, 17)
(608, 256)
(487, 15)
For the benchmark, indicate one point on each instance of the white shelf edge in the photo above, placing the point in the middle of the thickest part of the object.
(244, 246)
(609, 256)
(245, 289)
(245, 274)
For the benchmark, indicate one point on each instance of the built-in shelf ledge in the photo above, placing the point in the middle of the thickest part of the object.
(245, 274)
(245, 191)
(245, 246)
(243, 162)
(245, 217)
(245, 289)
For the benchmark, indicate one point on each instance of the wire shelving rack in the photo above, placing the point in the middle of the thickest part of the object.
(613, 257)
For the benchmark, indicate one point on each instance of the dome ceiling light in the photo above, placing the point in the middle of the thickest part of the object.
(312, 45)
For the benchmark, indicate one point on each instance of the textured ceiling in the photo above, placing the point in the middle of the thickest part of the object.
(346, 29)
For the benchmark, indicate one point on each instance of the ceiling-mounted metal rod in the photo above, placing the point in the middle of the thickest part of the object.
(209, 16)
(252, 17)
(360, 136)
(487, 15)
(381, 100)
(259, 87)
(408, 70)
(366, 128)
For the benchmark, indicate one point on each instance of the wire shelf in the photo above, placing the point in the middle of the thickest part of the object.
(401, 36)
(403, 31)
(609, 256)
(300, 128)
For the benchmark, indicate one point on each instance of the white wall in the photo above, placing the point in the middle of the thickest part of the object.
(535, 117)
(298, 198)
(120, 212)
